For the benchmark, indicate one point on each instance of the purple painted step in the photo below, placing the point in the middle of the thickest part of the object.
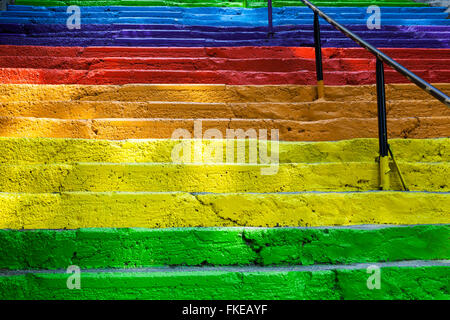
(124, 42)
(43, 28)
(197, 36)
(239, 35)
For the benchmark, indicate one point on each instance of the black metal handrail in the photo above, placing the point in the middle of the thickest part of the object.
(380, 85)
(439, 95)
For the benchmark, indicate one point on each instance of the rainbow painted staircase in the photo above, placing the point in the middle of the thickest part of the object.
(90, 119)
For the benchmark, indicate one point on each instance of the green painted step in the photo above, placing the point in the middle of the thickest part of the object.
(173, 210)
(137, 248)
(219, 178)
(48, 150)
(411, 280)
(220, 3)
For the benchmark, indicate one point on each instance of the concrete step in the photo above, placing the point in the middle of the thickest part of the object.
(48, 150)
(404, 280)
(360, 29)
(215, 3)
(204, 93)
(138, 248)
(74, 210)
(286, 11)
(246, 35)
(222, 65)
(157, 111)
(218, 52)
(214, 15)
(299, 111)
(436, 19)
(210, 64)
(266, 177)
(195, 42)
(229, 77)
(288, 130)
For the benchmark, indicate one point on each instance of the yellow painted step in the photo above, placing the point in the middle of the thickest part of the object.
(51, 150)
(98, 177)
(164, 210)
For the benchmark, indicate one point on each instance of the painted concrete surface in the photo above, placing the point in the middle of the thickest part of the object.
(73, 210)
(137, 248)
(405, 282)
(48, 150)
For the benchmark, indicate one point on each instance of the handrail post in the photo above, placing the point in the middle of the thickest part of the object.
(382, 127)
(269, 17)
(318, 53)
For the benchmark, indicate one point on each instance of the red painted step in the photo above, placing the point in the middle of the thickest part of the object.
(51, 76)
(251, 65)
(224, 52)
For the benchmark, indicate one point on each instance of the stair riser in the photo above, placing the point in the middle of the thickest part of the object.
(157, 42)
(120, 77)
(181, 210)
(236, 10)
(49, 28)
(397, 283)
(274, 177)
(121, 129)
(300, 36)
(206, 93)
(211, 64)
(220, 52)
(215, 3)
(171, 110)
(122, 248)
(29, 151)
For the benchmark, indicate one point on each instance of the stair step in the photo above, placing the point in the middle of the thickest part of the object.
(300, 111)
(289, 130)
(216, 3)
(403, 280)
(74, 210)
(242, 15)
(210, 64)
(37, 150)
(438, 19)
(301, 36)
(196, 42)
(231, 10)
(107, 76)
(206, 93)
(410, 31)
(219, 52)
(137, 248)
(172, 177)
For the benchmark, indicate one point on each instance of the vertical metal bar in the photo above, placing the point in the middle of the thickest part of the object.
(382, 127)
(318, 52)
(269, 16)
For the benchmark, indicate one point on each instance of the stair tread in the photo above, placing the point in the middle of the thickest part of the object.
(64, 210)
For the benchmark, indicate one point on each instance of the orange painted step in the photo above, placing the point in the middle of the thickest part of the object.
(156, 111)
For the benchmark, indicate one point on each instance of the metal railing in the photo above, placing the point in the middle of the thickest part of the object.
(384, 148)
